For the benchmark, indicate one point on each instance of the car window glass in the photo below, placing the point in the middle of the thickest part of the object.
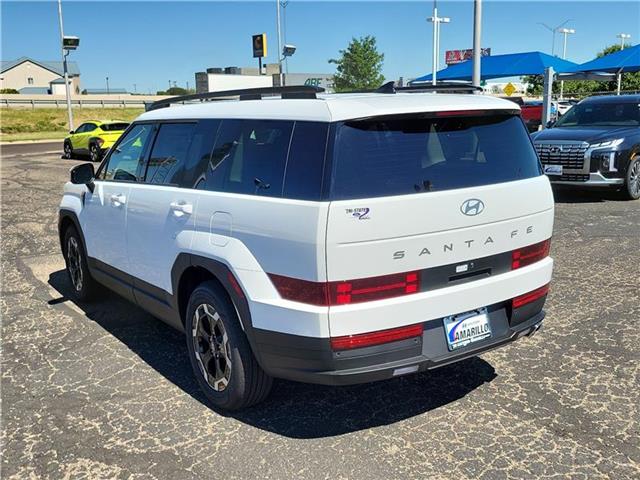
(90, 127)
(305, 165)
(169, 152)
(249, 157)
(404, 155)
(81, 128)
(193, 175)
(126, 156)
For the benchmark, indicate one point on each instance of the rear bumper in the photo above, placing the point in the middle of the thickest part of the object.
(311, 360)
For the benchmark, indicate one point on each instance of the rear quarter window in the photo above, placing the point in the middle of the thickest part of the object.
(404, 155)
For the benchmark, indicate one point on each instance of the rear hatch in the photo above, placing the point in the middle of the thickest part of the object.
(410, 193)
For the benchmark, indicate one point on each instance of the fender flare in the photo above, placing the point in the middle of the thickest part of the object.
(227, 279)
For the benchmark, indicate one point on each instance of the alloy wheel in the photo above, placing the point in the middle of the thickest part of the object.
(93, 153)
(74, 263)
(211, 346)
(67, 150)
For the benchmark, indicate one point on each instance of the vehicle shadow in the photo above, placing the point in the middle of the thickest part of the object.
(576, 195)
(293, 409)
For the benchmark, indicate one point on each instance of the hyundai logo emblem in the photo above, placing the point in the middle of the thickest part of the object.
(472, 207)
(556, 149)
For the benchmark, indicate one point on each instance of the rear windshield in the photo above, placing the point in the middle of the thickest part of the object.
(399, 155)
(592, 114)
(112, 127)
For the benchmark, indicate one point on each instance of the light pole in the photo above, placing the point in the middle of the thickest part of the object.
(284, 4)
(107, 85)
(65, 52)
(553, 31)
(622, 37)
(565, 32)
(477, 31)
(436, 39)
(279, 42)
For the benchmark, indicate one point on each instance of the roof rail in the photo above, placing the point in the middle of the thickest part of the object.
(292, 91)
(390, 87)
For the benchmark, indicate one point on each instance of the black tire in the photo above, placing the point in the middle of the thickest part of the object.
(68, 150)
(220, 355)
(631, 189)
(83, 285)
(94, 153)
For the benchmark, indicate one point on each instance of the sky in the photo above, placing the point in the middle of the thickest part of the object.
(151, 43)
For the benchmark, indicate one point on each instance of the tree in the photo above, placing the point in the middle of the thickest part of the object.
(630, 81)
(359, 66)
(9, 90)
(175, 91)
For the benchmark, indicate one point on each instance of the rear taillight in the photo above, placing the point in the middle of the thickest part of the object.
(375, 338)
(347, 292)
(530, 254)
(530, 297)
(374, 288)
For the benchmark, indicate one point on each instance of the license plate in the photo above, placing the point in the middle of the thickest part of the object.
(552, 169)
(466, 328)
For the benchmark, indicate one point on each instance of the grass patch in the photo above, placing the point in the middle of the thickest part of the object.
(17, 121)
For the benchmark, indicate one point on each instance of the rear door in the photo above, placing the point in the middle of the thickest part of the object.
(411, 193)
(160, 212)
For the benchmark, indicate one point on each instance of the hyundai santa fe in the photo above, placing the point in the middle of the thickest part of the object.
(332, 239)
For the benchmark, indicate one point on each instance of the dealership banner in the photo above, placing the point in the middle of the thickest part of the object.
(457, 56)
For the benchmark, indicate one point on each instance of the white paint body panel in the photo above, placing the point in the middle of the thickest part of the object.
(104, 223)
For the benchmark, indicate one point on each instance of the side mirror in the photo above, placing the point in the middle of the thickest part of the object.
(71, 132)
(83, 174)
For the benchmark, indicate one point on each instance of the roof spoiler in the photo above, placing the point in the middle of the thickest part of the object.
(293, 91)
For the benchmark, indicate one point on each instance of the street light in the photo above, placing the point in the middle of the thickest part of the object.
(107, 85)
(565, 32)
(68, 43)
(553, 31)
(436, 39)
(622, 37)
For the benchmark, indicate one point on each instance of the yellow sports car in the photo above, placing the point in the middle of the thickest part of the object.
(93, 138)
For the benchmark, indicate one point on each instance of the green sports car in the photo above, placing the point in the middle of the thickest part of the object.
(93, 138)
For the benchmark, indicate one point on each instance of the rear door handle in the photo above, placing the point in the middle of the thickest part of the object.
(181, 208)
(117, 200)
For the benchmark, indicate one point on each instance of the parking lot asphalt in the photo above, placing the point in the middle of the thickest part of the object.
(105, 391)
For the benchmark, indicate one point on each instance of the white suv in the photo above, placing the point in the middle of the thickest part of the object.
(331, 239)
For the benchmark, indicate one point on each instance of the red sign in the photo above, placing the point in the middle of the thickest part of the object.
(457, 56)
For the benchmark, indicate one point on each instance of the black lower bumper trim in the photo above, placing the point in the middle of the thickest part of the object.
(311, 360)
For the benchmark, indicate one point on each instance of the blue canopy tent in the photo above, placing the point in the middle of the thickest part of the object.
(497, 66)
(627, 60)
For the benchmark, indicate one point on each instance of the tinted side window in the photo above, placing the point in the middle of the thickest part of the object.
(127, 155)
(82, 128)
(303, 178)
(90, 127)
(169, 152)
(196, 167)
(249, 157)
